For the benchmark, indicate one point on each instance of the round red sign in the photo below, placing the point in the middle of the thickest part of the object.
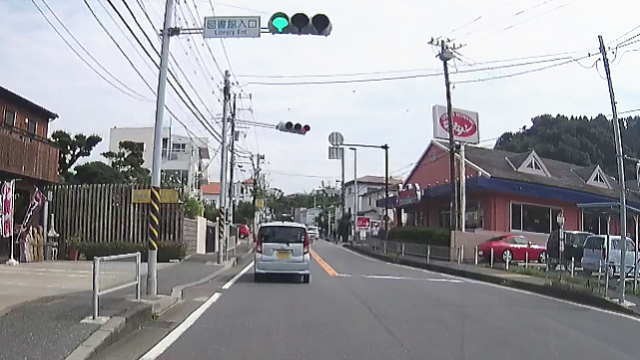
(463, 125)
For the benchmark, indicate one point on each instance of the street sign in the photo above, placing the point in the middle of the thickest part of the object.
(363, 222)
(231, 27)
(465, 125)
(336, 139)
(336, 153)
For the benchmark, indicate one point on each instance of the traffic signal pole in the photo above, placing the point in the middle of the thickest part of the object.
(154, 213)
(445, 56)
(386, 189)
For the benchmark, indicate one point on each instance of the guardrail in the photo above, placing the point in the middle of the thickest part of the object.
(99, 290)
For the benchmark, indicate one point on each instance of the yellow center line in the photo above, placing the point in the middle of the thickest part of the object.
(323, 264)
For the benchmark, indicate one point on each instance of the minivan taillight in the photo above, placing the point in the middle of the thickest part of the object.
(306, 243)
(259, 245)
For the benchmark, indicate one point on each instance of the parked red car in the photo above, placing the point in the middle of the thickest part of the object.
(513, 248)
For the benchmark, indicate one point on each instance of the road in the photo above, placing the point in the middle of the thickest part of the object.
(360, 308)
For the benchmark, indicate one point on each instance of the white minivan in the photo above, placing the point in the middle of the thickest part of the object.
(282, 248)
(595, 254)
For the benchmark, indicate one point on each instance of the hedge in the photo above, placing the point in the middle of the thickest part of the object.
(166, 250)
(421, 235)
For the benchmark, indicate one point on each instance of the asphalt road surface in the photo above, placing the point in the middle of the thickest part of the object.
(360, 308)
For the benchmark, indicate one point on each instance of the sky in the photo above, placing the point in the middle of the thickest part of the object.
(381, 38)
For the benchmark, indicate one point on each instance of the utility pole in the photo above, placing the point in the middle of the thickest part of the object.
(154, 213)
(620, 160)
(232, 165)
(446, 54)
(342, 195)
(223, 170)
(386, 189)
(355, 191)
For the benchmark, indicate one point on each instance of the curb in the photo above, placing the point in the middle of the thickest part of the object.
(111, 331)
(548, 290)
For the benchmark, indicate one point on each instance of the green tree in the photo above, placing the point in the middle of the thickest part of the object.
(211, 212)
(96, 172)
(128, 161)
(244, 213)
(193, 207)
(72, 148)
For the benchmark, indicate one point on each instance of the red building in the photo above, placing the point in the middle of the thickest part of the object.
(511, 192)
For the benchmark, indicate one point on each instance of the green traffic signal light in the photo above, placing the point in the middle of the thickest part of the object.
(279, 21)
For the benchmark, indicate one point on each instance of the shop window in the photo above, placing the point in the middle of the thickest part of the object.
(31, 125)
(533, 218)
(444, 219)
(9, 117)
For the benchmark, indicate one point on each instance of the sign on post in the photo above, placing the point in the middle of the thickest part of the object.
(231, 27)
(336, 138)
(336, 153)
(465, 125)
(363, 222)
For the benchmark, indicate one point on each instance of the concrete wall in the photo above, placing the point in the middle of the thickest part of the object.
(190, 235)
(201, 236)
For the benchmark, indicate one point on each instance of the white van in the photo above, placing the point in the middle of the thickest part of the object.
(282, 248)
(595, 254)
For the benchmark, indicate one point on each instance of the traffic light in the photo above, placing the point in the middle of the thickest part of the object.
(300, 24)
(296, 128)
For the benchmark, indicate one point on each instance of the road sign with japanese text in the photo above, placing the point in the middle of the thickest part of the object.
(231, 27)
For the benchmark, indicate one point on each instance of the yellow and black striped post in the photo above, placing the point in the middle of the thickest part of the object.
(154, 218)
(221, 227)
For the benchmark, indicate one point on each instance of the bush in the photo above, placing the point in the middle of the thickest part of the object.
(166, 250)
(431, 236)
(193, 207)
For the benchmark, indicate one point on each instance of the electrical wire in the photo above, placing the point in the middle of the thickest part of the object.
(85, 61)
(195, 111)
(135, 68)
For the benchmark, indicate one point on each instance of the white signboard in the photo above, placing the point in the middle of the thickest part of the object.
(231, 27)
(465, 125)
(336, 153)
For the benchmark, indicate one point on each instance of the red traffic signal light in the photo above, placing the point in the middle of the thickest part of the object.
(296, 128)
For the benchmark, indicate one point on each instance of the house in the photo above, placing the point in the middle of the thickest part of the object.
(26, 153)
(210, 193)
(512, 192)
(184, 159)
(243, 191)
(366, 184)
(372, 205)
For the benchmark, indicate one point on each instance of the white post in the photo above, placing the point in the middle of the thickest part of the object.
(573, 265)
(402, 249)
(491, 259)
(506, 264)
(428, 254)
(475, 255)
(635, 267)
(461, 253)
(96, 286)
(526, 259)
(458, 254)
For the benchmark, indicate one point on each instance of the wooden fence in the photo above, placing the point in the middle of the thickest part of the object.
(105, 213)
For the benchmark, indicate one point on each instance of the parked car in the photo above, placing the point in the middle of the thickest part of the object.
(244, 231)
(595, 254)
(573, 247)
(282, 248)
(512, 247)
(313, 232)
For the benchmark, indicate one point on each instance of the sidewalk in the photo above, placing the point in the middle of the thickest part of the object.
(550, 287)
(58, 296)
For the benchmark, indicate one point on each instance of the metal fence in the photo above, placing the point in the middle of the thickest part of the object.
(107, 280)
(387, 247)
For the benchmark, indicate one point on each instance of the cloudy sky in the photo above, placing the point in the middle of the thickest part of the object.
(380, 38)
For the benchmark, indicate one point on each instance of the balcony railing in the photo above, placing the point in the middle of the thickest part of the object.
(28, 155)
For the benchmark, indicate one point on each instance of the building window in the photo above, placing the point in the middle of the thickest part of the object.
(533, 218)
(9, 117)
(179, 147)
(31, 126)
(444, 218)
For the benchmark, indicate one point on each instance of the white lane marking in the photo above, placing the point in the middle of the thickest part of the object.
(393, 277)
(478, 282)
(168, 340)
(235, 278)
(343, 275)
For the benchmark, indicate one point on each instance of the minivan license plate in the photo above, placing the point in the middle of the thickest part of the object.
(283, 255)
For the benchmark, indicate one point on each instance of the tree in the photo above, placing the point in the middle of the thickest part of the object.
(193, 207)
(244, 213)
(72, 148)
(211, 212)
(96, 172)
(128, 161)
(578, 140)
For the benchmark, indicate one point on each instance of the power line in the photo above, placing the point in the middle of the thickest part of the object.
(86, 51)
(195, 111)
(135, 68)
(85, 61)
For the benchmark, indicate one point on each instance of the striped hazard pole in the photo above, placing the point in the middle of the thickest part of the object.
(154, 236)
(221, 227)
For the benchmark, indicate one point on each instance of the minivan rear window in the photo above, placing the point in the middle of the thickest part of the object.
(281, 234)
